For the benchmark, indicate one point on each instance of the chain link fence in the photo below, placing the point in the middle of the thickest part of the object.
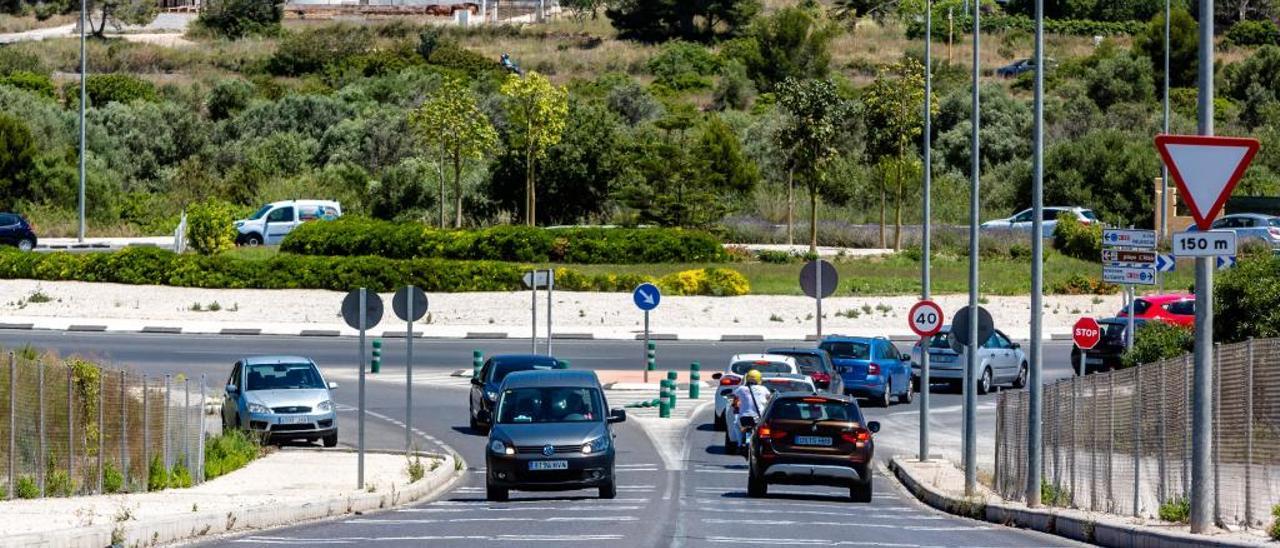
(70, 427)
(1120, 442)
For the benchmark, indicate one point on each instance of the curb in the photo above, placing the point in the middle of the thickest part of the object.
(741, 338)
(209, 525)
(1076, 528)
(659, 337)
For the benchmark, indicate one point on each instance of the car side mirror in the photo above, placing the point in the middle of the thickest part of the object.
(617, 415)
(233, 389)
(873, 426)
(716, 376)
(476, 381)
(747, 421)
(1017, 346)
(333, 385)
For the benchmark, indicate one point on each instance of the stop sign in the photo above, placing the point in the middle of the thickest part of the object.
(1086, 333)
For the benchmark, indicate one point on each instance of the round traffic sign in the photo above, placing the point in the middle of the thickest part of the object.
(809, 278)
(925, 318)
(372, 309)
(400, 303)
(1086, 333)
(646, 296)
(960, 327)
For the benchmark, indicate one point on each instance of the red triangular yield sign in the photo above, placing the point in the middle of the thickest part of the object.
(1206, 169)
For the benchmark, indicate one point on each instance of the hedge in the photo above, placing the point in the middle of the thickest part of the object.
(996, 23)
(355, 237)
(154, 266)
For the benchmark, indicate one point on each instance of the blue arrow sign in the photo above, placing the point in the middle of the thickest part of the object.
(1226, 261)
(1165, 263)
(646, 296)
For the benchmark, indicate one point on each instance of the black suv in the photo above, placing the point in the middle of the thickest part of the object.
(811, 439)
(17, 232)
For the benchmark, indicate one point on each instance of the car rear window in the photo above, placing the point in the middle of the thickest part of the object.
(762, 366)
(1274, 221)
(1113, 331)
(1184, 308)
(504, 368)
(807, 363)
(1089, 214)
(283, 376)
(848, 350)
(1141, 306)
(786, 385)
(814, 409)
(941, 340)
(549, 404)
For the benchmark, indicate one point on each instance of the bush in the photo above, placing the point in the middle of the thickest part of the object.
(1079, 284)
(57, 482)
(239, 18)
(1001, 23)
(39, 84)
(26, 488)
(230, 451)
(1254, 33)
(1176, 510)
(770, 256)
(456, 57)
(707, 281)
(157, 476)
(1247, 300)
(1074, 239)
(353, 236)
(682, 65)
(179, 476)
(210, 227)
(103, 89)
(228, 97)
(112, 478)
(1157, 341)
(310, 51)
(1052, 495)
(1274, 530)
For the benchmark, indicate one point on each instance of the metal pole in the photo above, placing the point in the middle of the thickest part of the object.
(124, 428)
(551, 282)
(186, 424)
(408, 371)
(1080, 367)
(165, 428)
(1164, 170)
(1248, 436)
(84, 68)
(40, 397)
(927, 214)
(1202, 398)
(13, 420)
(1129, 334)
(146, 436)
(360, 420)
(1160, 435)
(1075, 421)
(1137, 441)
(646, 347)
(1217, 437)
(71, 424)
(200, 443)
(1111, 440)
(1093, 444)
(533, 310)
(817, 278)
(102, 437)
(971, 354)
(1036, 403)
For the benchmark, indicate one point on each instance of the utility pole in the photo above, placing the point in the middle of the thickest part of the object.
(84, 68)
(1036, 402)
(1202, 395)
(1164, 170)
(925, 236)
(971, 353)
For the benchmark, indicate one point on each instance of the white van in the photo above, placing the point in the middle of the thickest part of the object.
(273, 221)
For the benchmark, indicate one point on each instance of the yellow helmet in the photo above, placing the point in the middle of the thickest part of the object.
(753, 377)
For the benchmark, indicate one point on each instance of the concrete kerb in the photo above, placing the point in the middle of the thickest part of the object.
(1054, 521)
(209, 525)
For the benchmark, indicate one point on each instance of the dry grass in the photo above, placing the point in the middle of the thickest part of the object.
(22, 23)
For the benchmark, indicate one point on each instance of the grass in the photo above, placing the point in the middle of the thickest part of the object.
(1176, 510)
(228, 452)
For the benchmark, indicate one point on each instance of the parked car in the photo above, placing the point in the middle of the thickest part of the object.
(1000, 362)
(817, 364)
(811, 439)
(272, 222)
(739, 364)
(484, 388)
(551, 432)
(1111, 346)
(1022, 65)
(281, 398)
(872, 368)
(1022, 221)
(1250, 226)
(17, 232)
(1174, 308)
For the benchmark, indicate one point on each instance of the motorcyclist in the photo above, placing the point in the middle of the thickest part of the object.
(751, 397)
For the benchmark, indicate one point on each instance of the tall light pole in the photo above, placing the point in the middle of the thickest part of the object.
(1202, 395)
(971, 353)
(84, 67)
(1164, 170)
(1037, 270)
(925, 234)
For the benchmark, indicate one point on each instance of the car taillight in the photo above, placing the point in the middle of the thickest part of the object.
(873, 369)
(767, 431)
(1275, 232)
(859, 437)
(729, 381)
(821, 378)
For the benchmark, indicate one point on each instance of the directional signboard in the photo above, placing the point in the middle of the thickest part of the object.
(1129, 275)
(1213, 243)
(1123, 256)
(1206, 170)
(646, 296)
(1165, 263)
(1115, 237)
(537, 278)
(1226, 261)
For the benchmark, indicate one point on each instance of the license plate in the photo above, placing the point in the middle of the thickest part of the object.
(944, 359)
(300, 419)
(1093, 361)
(549, 465)
(813, 440)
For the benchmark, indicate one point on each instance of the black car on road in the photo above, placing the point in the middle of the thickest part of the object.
(484, 388)
(551, 432)
(817, 364)
(17, 232)
(1107, 354)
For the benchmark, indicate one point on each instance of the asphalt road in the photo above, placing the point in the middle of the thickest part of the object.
(703, 505)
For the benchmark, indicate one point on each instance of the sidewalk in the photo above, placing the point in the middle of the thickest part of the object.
(286, 487)
(940, 484)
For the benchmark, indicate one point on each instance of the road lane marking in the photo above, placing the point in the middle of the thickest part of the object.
(422, 538)
(521, 509)
(792, 523)
(808, 542)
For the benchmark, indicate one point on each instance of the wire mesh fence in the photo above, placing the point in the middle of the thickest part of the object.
(1120, 442)
(70, 427)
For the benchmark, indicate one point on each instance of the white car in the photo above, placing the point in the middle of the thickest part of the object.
(272, 222)
(739, 365)
(1021, 223)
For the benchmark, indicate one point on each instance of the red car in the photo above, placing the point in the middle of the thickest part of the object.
(1173, 308)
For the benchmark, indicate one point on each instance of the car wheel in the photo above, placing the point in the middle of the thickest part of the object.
(331, 440)
(860, 491)
(253, 240)
(720, 424)
(984, 383)
(756, 486)
(609, 489)
(495, 493)
(730, 448)
(472, 422)
(1021, 381)
(26, 244)
(915, 383)
(907, 394)
(885, 399)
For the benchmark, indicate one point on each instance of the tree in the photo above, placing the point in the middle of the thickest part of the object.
(817, 112)
(792, 43)
(580, 9)
(118, 13)
(695, 20)
(17, 154)
(1120, 79)
(239, 18)
(451, 120)
(537, 110)
(893, 106)
(1184, 46)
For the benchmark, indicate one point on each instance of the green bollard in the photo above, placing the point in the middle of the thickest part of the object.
(664, 407)
(376, 364)
(671, 394)
(695, 380)
(651, 363)
(477, 362)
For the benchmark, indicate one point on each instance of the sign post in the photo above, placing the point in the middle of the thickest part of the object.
(361, 310)
(534, 279)
(646, 296)
(409, 304)
(970, 327)
(1086, 334)
(819, 280)
(925, 319)
(1129, 259)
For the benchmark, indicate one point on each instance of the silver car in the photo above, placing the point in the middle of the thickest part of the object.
(1000, 361)
(1021, 222)
(281, 398)
(1250, 226)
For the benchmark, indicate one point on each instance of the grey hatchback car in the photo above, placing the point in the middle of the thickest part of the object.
(551, 433)
(281, 398)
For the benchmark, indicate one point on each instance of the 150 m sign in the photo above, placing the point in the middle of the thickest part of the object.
(1204, 244)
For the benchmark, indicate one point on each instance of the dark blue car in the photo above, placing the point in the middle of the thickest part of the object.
(872, 368)
(17, 232)
(484, 388)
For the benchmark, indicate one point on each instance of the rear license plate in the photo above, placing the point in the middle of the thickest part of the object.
(813, 440)
(1093, 361)
(944, 359)
(549, 465)
(300, 419)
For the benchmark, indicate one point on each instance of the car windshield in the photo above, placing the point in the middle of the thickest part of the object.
(763, 366)
(1089, 214)
(941, 340)
(283, 376)
(786, 385)
(814, 409)
(549, 404)
(807, 363)
(848, 350)
(1274, 221)
(259, 213)
(503, 368)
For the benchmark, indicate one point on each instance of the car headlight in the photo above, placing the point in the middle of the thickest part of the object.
(259, 409)
(595, 446)
(493, 396)
(326, 405)
(497, 447)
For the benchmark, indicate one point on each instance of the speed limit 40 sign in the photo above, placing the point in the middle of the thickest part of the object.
(925, 318)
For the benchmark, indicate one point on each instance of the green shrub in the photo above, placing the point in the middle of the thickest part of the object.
(1254, 33)
(683, 65)
(112, 478)
(1157, 341)
(157, 476)
(1079, 284)
(999, 23)
(57, 482)
(103, 89)
(39, 84)
(1051, 495)
(1074, 239)
(310, 51)
(210, 227)
(1247, 300)
(1274, 530)
(720, 282)
(239, 18)
(353, 236)
(415, 469)
(769, 256)
(1176, 510)
(230, 451)
(456, 57)
(179, 476)
(26, 488)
